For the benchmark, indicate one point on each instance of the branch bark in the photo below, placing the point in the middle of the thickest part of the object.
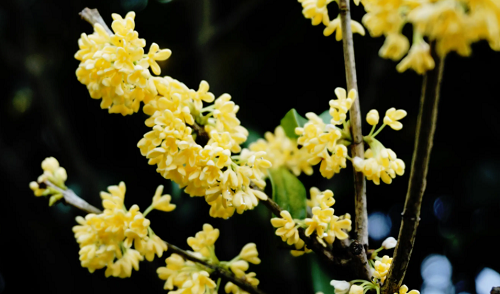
(357, 147)
(72, 199)
(426, 125)
(92, 16)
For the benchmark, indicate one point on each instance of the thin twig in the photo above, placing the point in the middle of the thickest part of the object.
(357, 147)
(72, 199)
(92, 16)
(426, 125)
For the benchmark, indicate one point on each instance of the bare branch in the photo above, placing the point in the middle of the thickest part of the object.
(92, 16)
(72, 199)
(357, 147)
(426, 125)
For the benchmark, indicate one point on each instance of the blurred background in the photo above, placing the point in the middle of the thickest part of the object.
(270, 59)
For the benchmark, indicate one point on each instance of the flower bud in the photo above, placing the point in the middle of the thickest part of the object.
(389, 243)
(372, 117)
(341, 287)
(355, 289)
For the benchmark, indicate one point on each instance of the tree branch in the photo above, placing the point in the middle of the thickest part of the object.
(72, 199)
(92, 16)
(357, 147)
(426, 125)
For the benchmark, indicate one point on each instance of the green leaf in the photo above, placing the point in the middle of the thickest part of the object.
(288, 192)
(326, 117)
(320, 280)
(290, 121)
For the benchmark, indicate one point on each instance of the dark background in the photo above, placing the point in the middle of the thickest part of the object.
(270, 59)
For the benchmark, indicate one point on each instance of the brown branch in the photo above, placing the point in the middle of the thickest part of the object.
(357, 147)
(495, 290)
(426, 125)
(72, 199)
(92, 16)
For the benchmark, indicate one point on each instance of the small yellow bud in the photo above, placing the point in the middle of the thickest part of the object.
(355, 289)
(372, 117)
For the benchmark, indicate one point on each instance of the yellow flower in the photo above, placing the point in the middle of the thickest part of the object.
(239, 267)
(287, 229)
(319, 221)
(172, 273)
(339, 107)
(335, 26)
(404, 290)
(204, 241)
(148, 247)
(123, 267)
(419, 59)
(380, 163)
(202, 95)
(392, 117)
(382, 268)
(283, 151)
(233, 289)
(395, 46)
(336, 228)
(372, 117)
(250, 254)
(155, 54)
(162, 202)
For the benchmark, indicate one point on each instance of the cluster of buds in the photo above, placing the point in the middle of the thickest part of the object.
(380, 162)
(51, 182)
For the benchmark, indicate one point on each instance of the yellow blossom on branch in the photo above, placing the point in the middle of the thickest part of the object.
(106, 239)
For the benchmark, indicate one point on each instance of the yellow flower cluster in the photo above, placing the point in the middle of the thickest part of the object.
(54, 174)
(381, 269)
(326, 225)
(191, 277)
(208, 170)
(317, 12)
(190, 145)
(283, 151)
(116, 68)
(106, 239)
(322, 140)
(453, 24)
(380, 162)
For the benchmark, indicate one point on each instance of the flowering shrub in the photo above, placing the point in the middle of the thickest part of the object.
(199, 147)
